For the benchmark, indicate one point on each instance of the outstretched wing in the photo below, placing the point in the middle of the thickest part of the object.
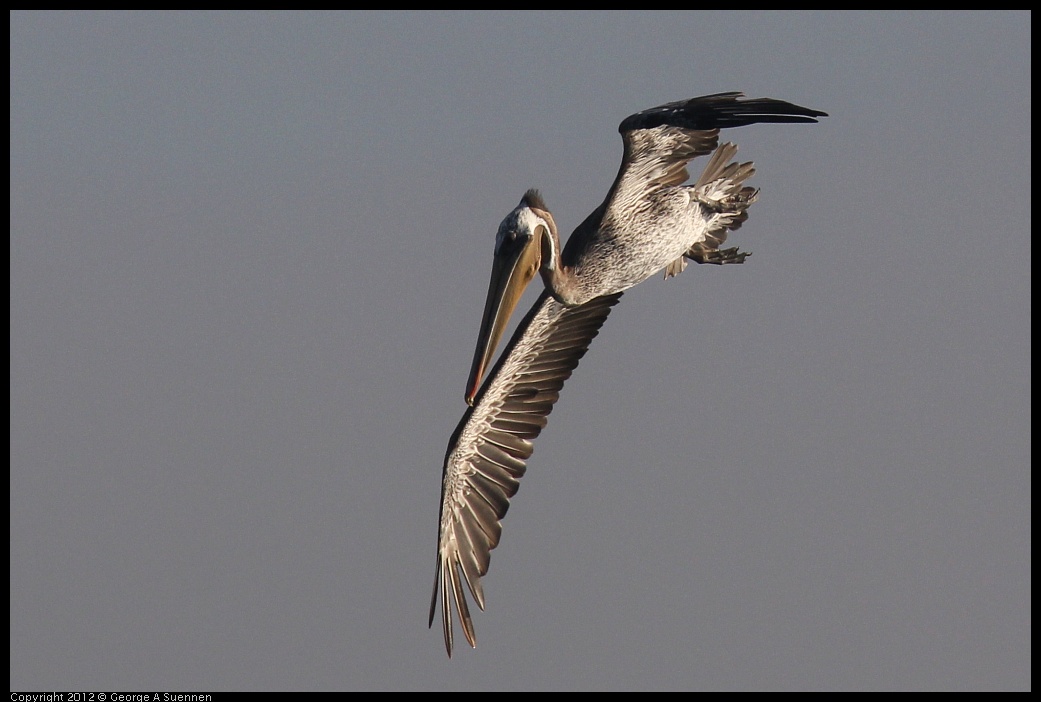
(487, 453)
(661, 141)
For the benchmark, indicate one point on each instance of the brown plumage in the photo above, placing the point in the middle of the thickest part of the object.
(650, 221)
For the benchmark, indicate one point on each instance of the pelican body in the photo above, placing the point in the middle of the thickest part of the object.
(652, 220)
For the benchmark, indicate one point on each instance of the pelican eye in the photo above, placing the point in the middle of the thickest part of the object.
(509, 241)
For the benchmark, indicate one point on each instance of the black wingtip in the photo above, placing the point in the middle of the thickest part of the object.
(719, 111)
(433, 597)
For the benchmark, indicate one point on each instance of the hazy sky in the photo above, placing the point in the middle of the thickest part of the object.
(249, 254)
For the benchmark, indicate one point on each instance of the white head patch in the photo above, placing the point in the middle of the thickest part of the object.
(518, 224)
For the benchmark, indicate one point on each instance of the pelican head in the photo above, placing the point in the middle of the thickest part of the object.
(526, 242)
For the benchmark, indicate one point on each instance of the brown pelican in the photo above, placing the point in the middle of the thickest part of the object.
(650, 221)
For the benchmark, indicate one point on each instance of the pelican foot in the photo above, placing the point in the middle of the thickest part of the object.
(721, 256)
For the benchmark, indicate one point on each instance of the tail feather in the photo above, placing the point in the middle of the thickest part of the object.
(722, 197)
(722, 179)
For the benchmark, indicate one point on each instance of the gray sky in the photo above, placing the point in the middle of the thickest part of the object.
(249, 254)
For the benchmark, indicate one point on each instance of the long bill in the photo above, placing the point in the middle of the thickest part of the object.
(513, 268)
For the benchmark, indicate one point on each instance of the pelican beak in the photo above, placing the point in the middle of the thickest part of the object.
(516, 263)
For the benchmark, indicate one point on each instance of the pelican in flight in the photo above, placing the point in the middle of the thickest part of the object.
(651, 220)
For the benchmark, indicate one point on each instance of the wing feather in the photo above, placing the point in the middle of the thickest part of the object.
(486, 456)
(660, 142)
